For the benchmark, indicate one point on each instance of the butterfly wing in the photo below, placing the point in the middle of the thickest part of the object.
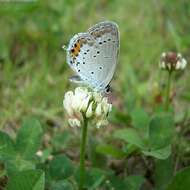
(79, 57)
(76, 79)
(93, 55)
(106, 35)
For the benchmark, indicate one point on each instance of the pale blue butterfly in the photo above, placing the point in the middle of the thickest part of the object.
(93, 55)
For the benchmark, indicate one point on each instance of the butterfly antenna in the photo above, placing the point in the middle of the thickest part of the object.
(64, 47)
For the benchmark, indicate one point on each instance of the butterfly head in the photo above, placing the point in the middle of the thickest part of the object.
(107, 89)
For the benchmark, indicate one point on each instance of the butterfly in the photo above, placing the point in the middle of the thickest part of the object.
(93, 55)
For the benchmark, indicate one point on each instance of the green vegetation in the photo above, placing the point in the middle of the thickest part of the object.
(142, 147)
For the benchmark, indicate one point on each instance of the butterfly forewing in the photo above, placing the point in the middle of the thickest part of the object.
(107, 36)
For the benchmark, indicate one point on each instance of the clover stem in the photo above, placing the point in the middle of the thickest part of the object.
(82, 152)
(167, 102)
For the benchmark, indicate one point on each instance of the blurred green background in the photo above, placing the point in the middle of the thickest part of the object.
(33, 69)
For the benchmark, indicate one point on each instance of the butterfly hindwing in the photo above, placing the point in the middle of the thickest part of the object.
(76, 79)
(93, 55)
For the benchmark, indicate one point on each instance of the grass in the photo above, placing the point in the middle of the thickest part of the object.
(33, 67)
(34, 73)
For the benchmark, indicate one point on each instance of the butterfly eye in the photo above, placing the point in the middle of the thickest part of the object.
(108, 89)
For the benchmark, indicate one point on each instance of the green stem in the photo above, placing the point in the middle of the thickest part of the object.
(168, 91)
(82, 152)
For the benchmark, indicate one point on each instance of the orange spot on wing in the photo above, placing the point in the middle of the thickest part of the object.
(75, 50)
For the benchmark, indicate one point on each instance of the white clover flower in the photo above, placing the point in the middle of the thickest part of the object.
(67, 102)
(80, 99)
(89, 111)
(39, 153)
(97, 97)
(74, 122)
(172, 61)
(182, 63)
(98, 110)
(105, 106)
(101, 123)
(82, 103)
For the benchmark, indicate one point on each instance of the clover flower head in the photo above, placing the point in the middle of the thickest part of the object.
(90, 104)
(74, 122)
(172, 61)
